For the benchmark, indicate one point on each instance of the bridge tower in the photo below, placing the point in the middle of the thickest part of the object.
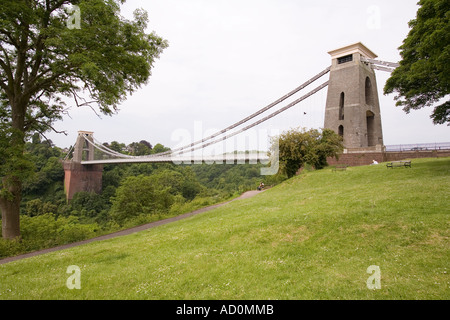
(84, 149)
(82, 177)
(352, 108)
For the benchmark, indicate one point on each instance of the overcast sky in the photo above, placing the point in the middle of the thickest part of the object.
(229, 58)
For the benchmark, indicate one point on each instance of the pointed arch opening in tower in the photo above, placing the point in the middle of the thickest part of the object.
(341, 130)
(369, 92)
(371, 137)
(341, 106)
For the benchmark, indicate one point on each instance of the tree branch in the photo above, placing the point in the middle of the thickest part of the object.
(21, 60)
(38, 86)
(6, 66)
(85, 103)
(4, 86)
(39, 44)
(49, 126)
(12, 41)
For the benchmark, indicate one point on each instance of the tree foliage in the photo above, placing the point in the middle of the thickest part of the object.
(140, 195)
(423, 77)
(141, 148)
(43, 62)
(299, 147)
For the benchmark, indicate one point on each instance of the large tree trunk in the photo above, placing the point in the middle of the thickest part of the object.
(10, 207)
(11, 191)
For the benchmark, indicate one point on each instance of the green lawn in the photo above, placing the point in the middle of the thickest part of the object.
(312, 237)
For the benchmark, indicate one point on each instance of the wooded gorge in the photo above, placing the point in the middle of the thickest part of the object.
(133, 194)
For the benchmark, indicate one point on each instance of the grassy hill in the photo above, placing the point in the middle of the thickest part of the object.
(312, 237)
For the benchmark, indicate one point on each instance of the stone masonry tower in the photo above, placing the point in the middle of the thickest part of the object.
(83, 150)
(82, 177)
(352, 107)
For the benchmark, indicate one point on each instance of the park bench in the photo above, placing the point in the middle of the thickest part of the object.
(394, 164)
(340, 167)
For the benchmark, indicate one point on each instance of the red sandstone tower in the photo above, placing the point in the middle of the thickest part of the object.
(79, 176)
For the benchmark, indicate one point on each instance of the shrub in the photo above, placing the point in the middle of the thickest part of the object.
(10, 248)
(48, 230)
(299, 147)
(36, 207)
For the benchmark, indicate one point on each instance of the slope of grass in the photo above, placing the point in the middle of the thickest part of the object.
(312, 237)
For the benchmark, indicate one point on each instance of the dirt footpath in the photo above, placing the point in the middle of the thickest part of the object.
(245, 195)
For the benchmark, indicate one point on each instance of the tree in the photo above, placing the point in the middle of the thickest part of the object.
(182, 182)
(158, 148)
(297, 147)
(116, 146)
(140, 195)
(423, 77)
(47, 57)
(141, 148)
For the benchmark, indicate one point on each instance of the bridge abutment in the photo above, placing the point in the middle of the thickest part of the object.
(79, 177)
(82, 177)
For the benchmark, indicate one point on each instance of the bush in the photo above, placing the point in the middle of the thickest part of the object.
(46, 231)
(298, 147)
(49, 228)
(87, 205)
(74, 232)
(36, 207)
(9, 248)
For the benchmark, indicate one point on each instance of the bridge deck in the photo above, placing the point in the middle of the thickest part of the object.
(240, 159)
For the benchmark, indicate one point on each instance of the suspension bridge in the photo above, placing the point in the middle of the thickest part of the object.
(83, 150)
(83, 171)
